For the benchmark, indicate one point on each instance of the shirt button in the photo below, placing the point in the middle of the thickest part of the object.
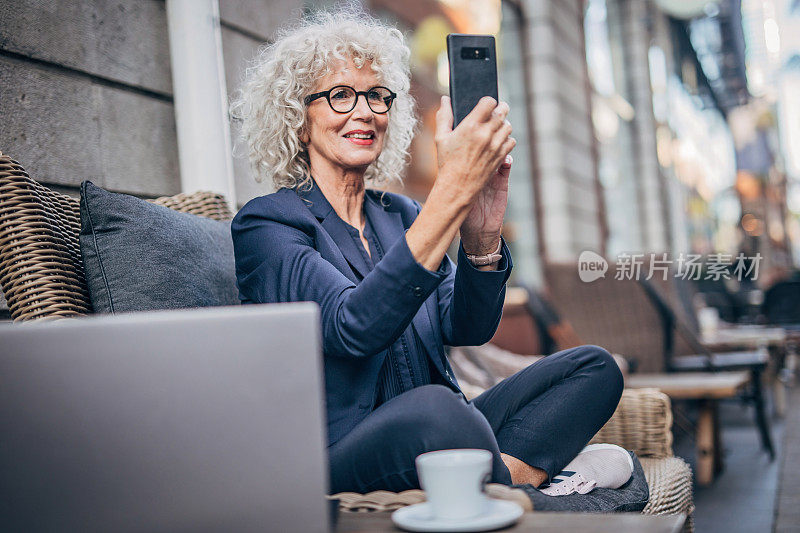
(416, 291)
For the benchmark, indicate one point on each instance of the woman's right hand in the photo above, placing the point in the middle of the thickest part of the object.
(469, 155)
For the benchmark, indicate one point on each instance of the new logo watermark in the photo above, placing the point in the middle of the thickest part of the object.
(592, 266)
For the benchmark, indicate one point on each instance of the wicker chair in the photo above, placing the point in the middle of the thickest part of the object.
(646, 320)
(41, 274)
(614, 314)
(41, 271)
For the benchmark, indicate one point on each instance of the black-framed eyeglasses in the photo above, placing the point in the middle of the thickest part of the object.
(343, 98)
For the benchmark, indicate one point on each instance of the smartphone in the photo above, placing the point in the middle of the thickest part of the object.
(473, 72)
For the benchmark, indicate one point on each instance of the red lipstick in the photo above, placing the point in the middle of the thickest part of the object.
(360, 137)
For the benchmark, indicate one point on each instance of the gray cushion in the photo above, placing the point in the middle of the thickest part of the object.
(140, 256)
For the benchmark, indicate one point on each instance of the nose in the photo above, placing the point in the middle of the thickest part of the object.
(361, 110)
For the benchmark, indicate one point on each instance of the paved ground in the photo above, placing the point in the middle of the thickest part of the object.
(787, 509)
(743, 498)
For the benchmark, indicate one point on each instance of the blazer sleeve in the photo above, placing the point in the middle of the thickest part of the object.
(471, 300)
(277, 262)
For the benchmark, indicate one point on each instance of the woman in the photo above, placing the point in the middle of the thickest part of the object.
(326, 111)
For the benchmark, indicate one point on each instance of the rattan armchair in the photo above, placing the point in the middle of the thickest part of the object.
(42, 276)
(41, 271)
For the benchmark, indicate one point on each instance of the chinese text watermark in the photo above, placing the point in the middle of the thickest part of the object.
(715, 267)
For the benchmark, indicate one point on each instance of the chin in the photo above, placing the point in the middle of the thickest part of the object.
(359, 162)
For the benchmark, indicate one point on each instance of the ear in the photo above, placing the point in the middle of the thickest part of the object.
(304, 136)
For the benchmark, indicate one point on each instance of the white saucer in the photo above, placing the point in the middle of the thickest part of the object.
(419, 517)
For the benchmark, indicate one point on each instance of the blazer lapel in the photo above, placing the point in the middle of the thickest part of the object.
(336, 228)
(387, 223)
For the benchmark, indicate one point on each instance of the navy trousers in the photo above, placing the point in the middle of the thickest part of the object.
(543, 415)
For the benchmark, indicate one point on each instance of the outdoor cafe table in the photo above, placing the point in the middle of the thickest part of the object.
(744, 337)
(754, 337)
(706, 388)
(537, 522)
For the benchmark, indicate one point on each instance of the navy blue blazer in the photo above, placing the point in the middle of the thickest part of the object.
(292, 246)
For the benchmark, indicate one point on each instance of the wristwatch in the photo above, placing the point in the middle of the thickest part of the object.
(488, 259)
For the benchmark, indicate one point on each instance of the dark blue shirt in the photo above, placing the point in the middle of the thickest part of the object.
(407, 364)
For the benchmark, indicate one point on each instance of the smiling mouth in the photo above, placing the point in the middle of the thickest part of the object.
(359, 136)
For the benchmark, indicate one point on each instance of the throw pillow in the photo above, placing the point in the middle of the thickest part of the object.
(139, 256)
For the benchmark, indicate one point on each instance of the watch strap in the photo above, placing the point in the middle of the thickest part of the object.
(488, 259)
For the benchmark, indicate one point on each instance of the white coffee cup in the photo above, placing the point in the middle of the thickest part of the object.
(453, 481)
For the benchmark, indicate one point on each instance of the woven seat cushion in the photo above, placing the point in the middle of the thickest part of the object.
(139, 256)
(383, 500)
(669, 480)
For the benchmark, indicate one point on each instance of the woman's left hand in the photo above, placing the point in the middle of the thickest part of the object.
(480, 231)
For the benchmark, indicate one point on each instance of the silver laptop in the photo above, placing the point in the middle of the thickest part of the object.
(200, 420)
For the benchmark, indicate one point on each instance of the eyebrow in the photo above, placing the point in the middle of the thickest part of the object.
(338, 83)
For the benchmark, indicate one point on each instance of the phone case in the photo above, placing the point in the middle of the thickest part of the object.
(471, 78)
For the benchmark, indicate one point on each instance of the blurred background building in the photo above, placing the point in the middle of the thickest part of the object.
(642, 125)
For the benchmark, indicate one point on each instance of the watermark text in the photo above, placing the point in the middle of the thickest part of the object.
(695, 267)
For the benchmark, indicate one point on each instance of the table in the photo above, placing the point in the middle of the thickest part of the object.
(706, 388)
(744, 338)
(754, 337)
(692, 385)
(538, 522)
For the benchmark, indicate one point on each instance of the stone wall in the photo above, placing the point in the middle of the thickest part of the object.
(87, 89)
(87, 94)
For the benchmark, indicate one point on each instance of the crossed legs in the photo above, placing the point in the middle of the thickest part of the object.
(533, 422)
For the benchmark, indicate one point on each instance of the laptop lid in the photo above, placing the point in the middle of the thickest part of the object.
(191, 420)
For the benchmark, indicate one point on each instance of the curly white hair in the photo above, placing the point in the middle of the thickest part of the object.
(270, 101)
